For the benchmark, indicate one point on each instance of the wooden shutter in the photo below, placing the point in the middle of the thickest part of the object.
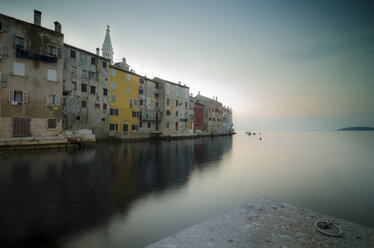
(25, 97)
(21, 127)
(11, 95)
(48, 100)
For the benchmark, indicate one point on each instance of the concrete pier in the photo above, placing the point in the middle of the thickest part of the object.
(267, 223)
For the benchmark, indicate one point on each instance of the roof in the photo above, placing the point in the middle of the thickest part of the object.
(82, 50)
(32, 24)
(166, 81)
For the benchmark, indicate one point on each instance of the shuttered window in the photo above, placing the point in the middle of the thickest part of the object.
(18, 69)
(52, 123)
(52, 75)
(21, 127)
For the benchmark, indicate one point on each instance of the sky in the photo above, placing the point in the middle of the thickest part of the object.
(281, 65)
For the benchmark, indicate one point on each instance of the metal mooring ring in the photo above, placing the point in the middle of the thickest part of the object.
(327, 223)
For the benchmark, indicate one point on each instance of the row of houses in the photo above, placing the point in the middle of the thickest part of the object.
(48, 87)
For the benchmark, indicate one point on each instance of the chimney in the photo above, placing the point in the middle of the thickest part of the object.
(199, 93)
(37, 17)
(98, 51)
(57, 26)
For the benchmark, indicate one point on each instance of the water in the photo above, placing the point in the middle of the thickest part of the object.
(130, 195)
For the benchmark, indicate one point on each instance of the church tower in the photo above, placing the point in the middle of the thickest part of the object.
(107, 49)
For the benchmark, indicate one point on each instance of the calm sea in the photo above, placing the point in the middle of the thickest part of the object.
(133, 194)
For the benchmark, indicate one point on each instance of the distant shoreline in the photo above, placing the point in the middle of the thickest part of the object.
(356, 129)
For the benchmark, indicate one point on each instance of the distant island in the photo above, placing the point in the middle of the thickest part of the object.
(356, 129)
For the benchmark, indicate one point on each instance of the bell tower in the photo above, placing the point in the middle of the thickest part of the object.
(107, 48)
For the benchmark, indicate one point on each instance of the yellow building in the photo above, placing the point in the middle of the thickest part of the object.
(124, 108)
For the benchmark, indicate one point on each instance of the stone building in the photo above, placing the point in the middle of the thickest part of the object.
(174, 108)
(227, 120)
(85, 100)
(31, 69)
(199, 117)
(149, 100)
(212, 114)
(124, 106)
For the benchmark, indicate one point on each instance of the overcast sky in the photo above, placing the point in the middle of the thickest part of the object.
(281, 65)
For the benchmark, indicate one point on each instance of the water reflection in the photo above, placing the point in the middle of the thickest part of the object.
(49, 194)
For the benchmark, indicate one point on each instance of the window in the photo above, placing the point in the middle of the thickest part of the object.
(74, 85)
(113, 98)
(167, 91)
(104, 106)
(16, 97)
(128, 90)
(149, 124)
(114, 72)
(130, 103)
(140, 124)
(52, 75)
(105, 92)
(84, 87)
(176, 103)
(176, 113)
(141, 80)
(157, 95)
(93, 61)
(140, 91)
(140, 102)
(20, 42)
(167, 125)
(83, 104)
(93, 89)
(134, 127)
(135, 102)
(114, 112)
(52, 50)
(113, 86)
(73, 54)
(97, 105)
(1, 26)
(176, 126)
(19, 69)
(91, 75)
(135, 114)
(83, 59)
(125, 127)
(113, 127)
(53, 100)
(191, 117)
(52, 123)
(167, 101)
(156, 104)
(128, 77)
(168, 112)
(210, 119)
(140, 115)
(104, 64)
(177, 93)
(84, 73)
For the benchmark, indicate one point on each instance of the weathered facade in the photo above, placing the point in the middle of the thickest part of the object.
(85, 91)
(212, 115)
(149, 99)
(199, 116)
(174, 108)
(227, 120)
(124, 108)
(31, 69)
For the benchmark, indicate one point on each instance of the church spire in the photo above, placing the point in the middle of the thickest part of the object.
(107, 49)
